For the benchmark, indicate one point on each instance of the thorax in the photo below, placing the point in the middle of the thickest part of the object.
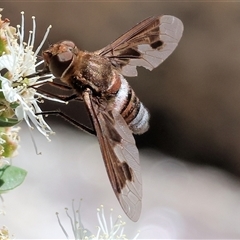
(89, 70)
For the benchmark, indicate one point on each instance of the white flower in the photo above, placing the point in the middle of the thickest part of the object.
(106, 229)
(18, 60)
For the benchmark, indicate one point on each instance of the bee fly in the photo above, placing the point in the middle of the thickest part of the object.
(115, 111)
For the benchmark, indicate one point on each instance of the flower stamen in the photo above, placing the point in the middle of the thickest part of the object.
(20, 60)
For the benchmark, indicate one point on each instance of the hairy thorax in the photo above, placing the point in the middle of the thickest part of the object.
(90, 70)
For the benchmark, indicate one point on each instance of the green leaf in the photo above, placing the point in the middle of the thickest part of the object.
(11, 177)
(8, 122)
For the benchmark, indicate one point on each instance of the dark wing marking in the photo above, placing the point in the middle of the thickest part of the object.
(120, 156)
(147, 44)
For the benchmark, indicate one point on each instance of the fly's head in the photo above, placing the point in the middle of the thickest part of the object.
(58, 57)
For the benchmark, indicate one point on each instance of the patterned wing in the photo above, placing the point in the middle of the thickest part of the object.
(120, 156)
(147, 44)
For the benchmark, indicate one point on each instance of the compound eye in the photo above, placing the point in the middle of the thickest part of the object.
(65, 57)
(59, 63)
(60, 56)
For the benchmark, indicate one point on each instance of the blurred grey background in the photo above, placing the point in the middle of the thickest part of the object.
(190, 156)
(193, 97)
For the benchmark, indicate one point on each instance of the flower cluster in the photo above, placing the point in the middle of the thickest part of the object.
(19, 97)
(18, 100)
(110, 230)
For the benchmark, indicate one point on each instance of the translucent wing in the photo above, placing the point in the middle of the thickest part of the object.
(120, 156)
(147, 44)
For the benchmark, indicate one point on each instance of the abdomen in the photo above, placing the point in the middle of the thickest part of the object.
(131, 109)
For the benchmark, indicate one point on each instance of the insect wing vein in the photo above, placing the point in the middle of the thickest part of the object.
(147, 44)
(120, 156)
